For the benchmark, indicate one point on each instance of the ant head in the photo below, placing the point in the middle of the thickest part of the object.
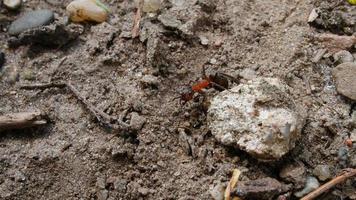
(186, 94)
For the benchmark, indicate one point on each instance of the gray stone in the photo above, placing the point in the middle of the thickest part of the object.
(259, 117)
(311, 184)
(344, 76)
(31, 20)
(204, 40)
(12, 4)
(213, 61)
(10, 74)
(137, 121)
(149, 81)
(100, 182)
(120, 185)
(169, 21)
(143, 191)
(322, 172)
(19, 176)
(217, 191)
(102, 194)
(343, 56)
(343, 155)
(294, 173)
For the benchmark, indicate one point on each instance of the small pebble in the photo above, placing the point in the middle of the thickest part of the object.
(204, 40)
(343, 56)
(120, 185)
(218, 42)
(100, 182)
(313, 16)
(137, 121)
(10, 74)
(294, 173)
(28, 74)
(213, 61)
(151, 6)
(19, 176)
(311, 184)
(248, 74)
(344, 76)
(217, 191)
(102, 194)
(12, 4)
(143, 191)
(87, 10)
(353, 136)
(31, 20)
(169, 21)
(149, 81)
(322, 172)
(343, 155)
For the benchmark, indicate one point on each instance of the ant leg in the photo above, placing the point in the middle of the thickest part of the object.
(233, 79)
(219, 86)
(222, 87)
(204, 72)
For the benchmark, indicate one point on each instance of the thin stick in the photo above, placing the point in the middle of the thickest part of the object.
(101, 116)
(21, 120)
(136, 26)
(43, 86)
(235, 177)
(349, 173)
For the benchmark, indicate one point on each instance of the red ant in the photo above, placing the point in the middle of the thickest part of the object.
(218, 81)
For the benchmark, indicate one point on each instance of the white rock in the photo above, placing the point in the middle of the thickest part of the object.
(311, 184)
(248, 74)
(259, 117)
(12, 4)
(343, 56)
(313, 15)
(87, 10)
(204, 40)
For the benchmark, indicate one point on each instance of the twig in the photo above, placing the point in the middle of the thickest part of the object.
(101, 116)
(349, 173)
(43, 86)
(235, 177)
(136, 26)
(21, 120)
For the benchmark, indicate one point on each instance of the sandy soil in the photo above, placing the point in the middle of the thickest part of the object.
(74, 157)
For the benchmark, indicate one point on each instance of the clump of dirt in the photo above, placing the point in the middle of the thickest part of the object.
(172, 153)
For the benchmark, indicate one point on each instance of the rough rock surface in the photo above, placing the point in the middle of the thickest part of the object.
(265, 188)
(259, 117)
(344, 75)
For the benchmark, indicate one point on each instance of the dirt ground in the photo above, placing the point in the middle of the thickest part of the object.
(74, 157)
